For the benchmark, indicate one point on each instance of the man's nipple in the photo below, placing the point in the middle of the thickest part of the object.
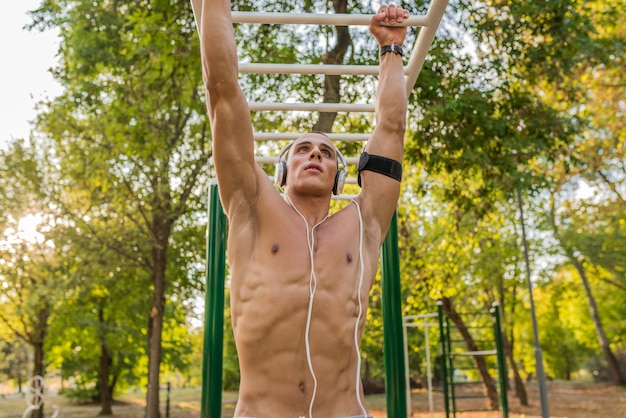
(274, 248)
(349, 257)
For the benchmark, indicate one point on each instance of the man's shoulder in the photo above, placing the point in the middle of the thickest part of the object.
(255, 207)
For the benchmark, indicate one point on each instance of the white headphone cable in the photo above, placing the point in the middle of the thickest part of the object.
(310, 239)
(358, 318)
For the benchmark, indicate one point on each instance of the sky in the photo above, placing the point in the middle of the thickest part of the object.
(24, 77)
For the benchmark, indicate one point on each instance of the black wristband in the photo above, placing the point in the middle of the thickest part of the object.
(397, 49)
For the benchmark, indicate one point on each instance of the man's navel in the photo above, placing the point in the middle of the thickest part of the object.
(275, 249)
(349, 257)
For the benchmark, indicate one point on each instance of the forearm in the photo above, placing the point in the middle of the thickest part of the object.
(391, 95)
(218, 48)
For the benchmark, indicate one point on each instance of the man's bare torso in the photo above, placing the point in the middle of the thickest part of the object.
(270, 292)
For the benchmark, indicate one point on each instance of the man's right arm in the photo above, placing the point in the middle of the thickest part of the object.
(233, 142)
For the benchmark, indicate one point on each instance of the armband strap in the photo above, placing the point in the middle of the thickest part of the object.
(381, 165)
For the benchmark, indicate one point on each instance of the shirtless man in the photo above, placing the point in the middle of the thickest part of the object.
(300, 279)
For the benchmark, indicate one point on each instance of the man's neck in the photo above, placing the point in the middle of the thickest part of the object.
(313, 209)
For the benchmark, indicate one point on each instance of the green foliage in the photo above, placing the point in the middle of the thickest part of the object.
(14, 361)
(131, 139)
(565, 327)
(81, 394)
(524, 96)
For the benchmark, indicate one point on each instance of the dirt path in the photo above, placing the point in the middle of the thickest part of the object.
(565, 399)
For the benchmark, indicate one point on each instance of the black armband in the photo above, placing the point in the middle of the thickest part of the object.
(381, 165)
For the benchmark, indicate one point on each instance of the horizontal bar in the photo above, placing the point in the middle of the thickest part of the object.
(329, 69)
(349, 180)
(263, 136)
(477, 353)
(423, 324)
(422, 316)
(337, 19)
(313, 107)
(344, 197)
(262, 159)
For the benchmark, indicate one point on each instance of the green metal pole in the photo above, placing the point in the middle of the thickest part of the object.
(392, 324)
(211, 403)
(443, 360)
(452, 393)
(504, 404)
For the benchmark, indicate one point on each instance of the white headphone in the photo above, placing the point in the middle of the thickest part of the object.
(280, 173)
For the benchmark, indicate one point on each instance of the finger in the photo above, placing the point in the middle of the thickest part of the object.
(392, 11)
(381, 15)
(402, 14)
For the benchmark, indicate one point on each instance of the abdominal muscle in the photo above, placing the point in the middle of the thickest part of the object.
(270, 295)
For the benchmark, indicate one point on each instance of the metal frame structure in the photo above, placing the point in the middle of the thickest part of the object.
(415, 321)
(216, 231)
(447, 360)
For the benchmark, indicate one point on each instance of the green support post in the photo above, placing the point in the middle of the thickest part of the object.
(450, 368)
(392, 324)
(211, 402)
(443, 358)
(504, 403)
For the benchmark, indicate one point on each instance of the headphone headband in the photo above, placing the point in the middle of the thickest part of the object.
(280, 175)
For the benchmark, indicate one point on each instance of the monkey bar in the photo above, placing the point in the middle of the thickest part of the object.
(216, 230)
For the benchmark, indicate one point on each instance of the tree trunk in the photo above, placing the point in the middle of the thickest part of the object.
(332, 91)
(38, 370)
(507, 346)
(509, 342)
(615, 371)
(106, 398)
(156, 330)
(520, 389)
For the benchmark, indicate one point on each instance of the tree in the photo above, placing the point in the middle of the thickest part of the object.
(131, 131)
(14, 363)
(33, 271)
(578, 262)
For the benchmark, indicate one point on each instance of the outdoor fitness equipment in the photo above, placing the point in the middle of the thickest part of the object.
(216, 230)
(35, 397)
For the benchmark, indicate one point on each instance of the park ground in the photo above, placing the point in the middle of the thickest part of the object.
(565, 400)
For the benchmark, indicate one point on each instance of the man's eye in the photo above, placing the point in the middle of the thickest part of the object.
(326, 154)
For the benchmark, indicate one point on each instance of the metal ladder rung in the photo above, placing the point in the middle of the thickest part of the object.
(312, 107)
(330, 69)
(335, 19)
(477, 396)
(290, 136)
(263, 159)
(476, 353)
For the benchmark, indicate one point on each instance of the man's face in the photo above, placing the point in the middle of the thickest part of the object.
(312, 163)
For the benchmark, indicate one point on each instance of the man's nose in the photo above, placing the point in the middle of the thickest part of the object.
(315, 153)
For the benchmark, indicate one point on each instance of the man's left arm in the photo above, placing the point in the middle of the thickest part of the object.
(380, 170)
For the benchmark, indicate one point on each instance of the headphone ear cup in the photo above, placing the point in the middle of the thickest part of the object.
(280, 173)
(340, 181)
